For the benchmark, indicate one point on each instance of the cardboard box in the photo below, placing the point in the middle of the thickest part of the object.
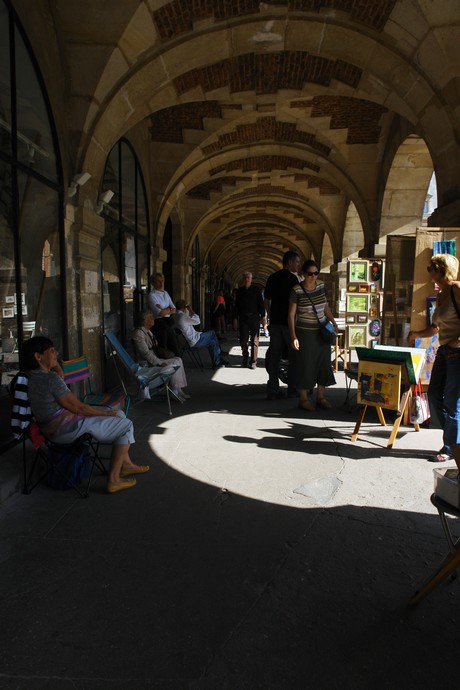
(447, 486)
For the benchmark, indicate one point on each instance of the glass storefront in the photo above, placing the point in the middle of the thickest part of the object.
(31, 282)
(125, 260)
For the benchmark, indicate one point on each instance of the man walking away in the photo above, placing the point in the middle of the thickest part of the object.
(250, 309)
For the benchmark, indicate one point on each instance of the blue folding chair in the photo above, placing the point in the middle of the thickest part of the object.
(150, 380)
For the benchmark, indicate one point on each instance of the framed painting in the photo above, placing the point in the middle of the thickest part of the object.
(8, 312)
(357, 271)
(361, 318)
(352, 288)
(357, 335)
(350, 318)
(379, 383)
(358, 303)
(363, 288)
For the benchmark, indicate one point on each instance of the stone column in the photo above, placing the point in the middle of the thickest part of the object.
(84, 230)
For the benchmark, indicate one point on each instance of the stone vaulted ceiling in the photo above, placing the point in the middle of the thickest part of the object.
(264, 121)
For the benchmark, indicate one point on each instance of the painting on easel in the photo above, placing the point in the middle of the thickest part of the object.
(379, 384)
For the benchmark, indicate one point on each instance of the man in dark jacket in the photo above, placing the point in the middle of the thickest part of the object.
(277, 291)
(250, 309)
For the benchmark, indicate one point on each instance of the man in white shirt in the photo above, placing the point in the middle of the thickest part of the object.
(186, 320)
(161, 305)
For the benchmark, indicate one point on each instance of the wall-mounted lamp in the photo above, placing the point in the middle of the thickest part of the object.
(104, 199)
(78, 181)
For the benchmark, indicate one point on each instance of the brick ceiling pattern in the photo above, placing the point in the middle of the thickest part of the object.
(360, 117)
(168, 124)
(203, 191)
(267, 73)
(264, 164)
(178, 17)
(266, 129)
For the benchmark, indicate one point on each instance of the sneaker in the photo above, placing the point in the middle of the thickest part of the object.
(253, 366)
(266, 334)
(221, 364)
(440, 457)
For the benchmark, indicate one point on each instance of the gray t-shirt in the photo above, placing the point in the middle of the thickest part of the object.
(44, 390)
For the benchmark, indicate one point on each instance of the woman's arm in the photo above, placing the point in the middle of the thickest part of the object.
(291, 321)
(330, 316)
(73, 404)
(424, 333)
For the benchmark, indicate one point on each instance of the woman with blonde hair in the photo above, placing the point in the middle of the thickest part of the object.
(444, 387)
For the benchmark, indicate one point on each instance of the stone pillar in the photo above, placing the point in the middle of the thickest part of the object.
(84, 230)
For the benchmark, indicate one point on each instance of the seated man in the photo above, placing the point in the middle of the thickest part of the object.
(146, 350)
(185, 321)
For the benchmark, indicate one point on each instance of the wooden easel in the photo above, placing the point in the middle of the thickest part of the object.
(402, 411)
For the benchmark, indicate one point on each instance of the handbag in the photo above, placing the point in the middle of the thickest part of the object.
(326, 329)
(420, 409)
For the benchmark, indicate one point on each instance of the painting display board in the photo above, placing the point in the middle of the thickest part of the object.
(430, 345)
(383, 372)
(363, 301)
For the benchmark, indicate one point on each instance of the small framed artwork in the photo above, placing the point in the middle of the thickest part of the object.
(352, 288)
(363, 288)
(375, 328)
(357, 271)
(373, 312)
(23, 297)
(8, 312)
(24, 311)
(10, 299)
(373, 299)
(361, 318)
(343, 294)
(358, 303)
(357, 335)
(350, 318)
(373, 289)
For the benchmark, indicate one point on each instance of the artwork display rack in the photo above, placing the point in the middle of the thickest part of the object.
(385, 379)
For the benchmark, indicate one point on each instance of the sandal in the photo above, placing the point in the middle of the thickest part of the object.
(306, 405)
(325, 404)
(139, 469)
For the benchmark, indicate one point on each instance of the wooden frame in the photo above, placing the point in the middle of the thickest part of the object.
(357, 335)
(361, 318)
(358, 304)
(358, 271)
(350, 318)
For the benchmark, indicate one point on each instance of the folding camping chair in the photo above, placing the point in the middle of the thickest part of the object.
(452, 561)
(77, 370)
(64, 465)
(150, 380)
(185, 349)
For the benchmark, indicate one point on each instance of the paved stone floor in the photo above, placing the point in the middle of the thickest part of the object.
(264, 550)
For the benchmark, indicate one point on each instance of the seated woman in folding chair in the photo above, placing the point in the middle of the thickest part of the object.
(63, 418)
(147, 349)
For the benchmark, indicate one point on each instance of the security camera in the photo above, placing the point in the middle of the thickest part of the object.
(104, 199)
(78, 181)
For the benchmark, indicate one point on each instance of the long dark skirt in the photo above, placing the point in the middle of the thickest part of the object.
(313, 361)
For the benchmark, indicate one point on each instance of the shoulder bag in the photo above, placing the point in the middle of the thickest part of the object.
(326, 329)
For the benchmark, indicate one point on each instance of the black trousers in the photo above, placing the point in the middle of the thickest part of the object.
(164, 332)
(249, 331)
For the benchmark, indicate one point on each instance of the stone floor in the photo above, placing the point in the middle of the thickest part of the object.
(263, 550)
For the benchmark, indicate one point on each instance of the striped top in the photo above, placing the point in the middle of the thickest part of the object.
(305, 316)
